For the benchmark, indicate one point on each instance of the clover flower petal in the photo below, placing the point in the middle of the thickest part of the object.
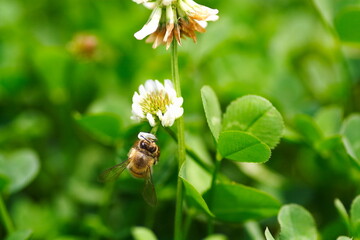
(151, 25)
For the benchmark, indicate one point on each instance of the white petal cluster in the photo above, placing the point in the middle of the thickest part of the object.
(156, 102)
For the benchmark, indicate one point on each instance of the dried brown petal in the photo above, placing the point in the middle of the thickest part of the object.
(164, 34)
(169, 29)
(177, 34)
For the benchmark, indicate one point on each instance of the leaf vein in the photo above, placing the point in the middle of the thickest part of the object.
(257, 118)
(242, 149)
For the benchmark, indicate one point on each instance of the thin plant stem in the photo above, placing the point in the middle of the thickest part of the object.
(216, 170)
(154, 129)
(6, 217)
(181, 143)
(188, 222)
(213, 183)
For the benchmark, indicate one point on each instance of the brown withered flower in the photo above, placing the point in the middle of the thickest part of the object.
(174, 19)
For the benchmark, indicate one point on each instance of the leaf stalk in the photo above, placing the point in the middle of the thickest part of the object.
(9, 226)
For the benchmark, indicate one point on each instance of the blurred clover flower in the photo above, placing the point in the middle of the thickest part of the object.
(156, 102)
(174, 18)
(84, 46)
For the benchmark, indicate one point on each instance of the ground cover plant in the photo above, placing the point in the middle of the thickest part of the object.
(236, 119)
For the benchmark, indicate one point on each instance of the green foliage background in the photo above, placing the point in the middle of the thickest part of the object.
(302, 56)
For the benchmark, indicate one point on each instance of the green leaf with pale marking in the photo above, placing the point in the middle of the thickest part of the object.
(296, 223)
(351, 131)
(212, 110)
(194, 198)
(347, 24)
(19, 168)
(242, 147)
(142, 233)
(20, 235)
(355, 217)
(268, 235)
(105, 127)
(238, 203)
(257, 116)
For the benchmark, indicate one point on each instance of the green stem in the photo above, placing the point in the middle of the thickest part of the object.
(178, 211)
(213, 183)
(154, 129)
(6, 217)
(181, 143)
(188, 222)
(216, 170)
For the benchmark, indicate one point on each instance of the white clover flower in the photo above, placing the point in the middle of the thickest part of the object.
(156, 102)
(174, 19)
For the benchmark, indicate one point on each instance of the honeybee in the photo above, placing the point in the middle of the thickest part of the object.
(141, 157)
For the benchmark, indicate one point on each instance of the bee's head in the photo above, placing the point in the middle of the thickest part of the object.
(148, 145)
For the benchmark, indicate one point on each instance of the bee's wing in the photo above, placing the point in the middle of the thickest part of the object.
(111, 174)
(149, 193)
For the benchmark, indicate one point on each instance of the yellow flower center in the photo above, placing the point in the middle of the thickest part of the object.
(155, 101)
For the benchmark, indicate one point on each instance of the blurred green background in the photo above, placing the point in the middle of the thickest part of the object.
(62, 60)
